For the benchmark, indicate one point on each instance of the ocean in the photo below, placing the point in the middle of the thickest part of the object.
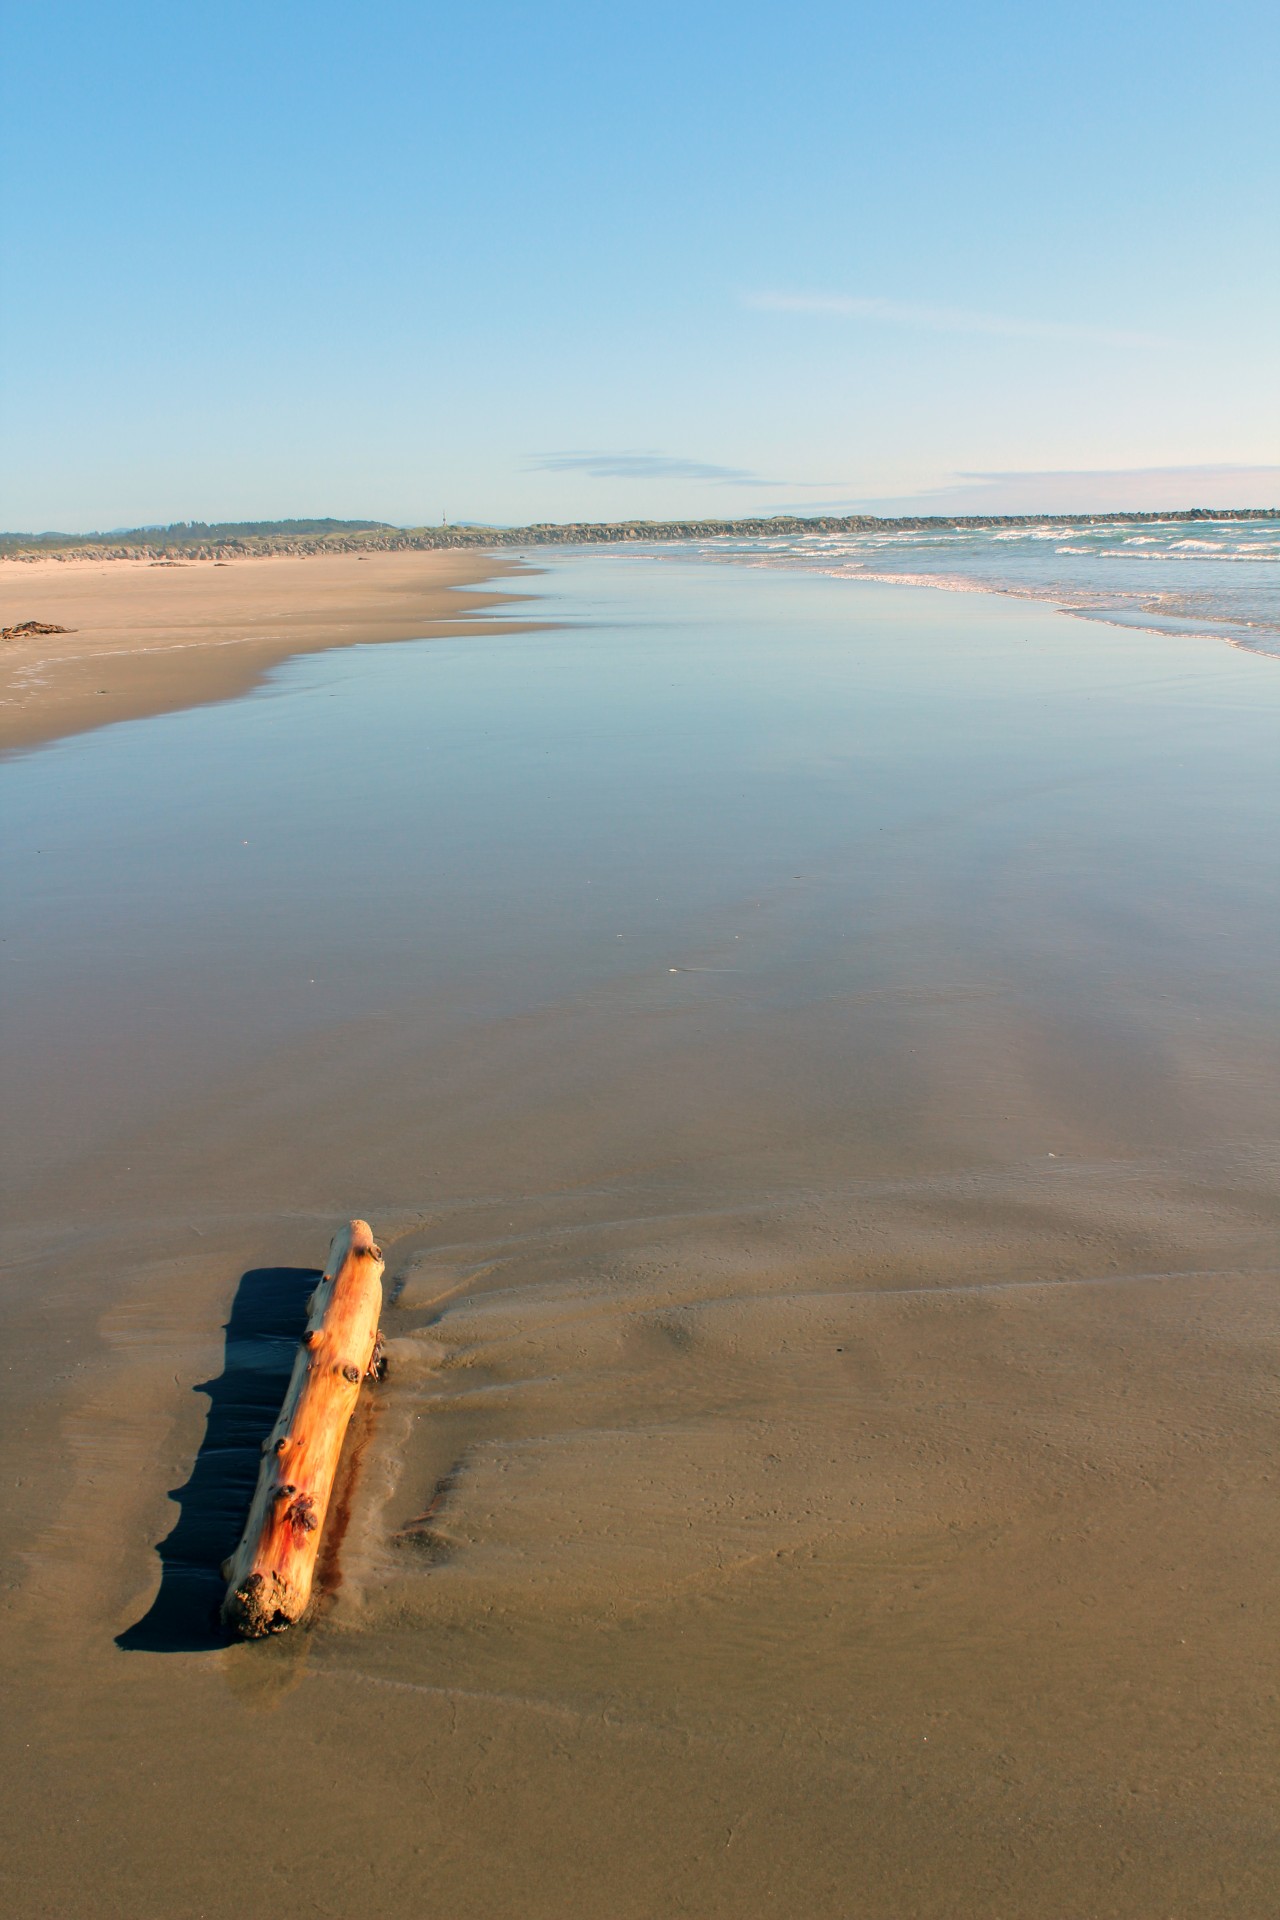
(1219, 577)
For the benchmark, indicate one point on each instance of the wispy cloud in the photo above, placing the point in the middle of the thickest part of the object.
(1222, 471)
(1074, 490)
(938, 319)
(646, 466)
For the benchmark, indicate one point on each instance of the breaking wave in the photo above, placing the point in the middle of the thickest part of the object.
(1223, 580)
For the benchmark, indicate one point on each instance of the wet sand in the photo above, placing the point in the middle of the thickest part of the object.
(827, 1466)
(150, 636)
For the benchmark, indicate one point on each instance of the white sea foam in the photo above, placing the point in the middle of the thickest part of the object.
(1157, 574)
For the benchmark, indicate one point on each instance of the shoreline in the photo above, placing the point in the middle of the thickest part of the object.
(133, 618)
(1199, 628)
(140, 638)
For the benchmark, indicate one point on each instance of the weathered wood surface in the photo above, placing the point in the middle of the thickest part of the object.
(271, 1571)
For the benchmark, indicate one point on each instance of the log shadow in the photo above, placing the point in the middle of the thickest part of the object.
(268, 1318)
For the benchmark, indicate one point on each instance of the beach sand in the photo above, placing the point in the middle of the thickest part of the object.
(147, 636)
(818, 1102)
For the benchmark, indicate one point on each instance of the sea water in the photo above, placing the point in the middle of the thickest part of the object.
(1171, 576)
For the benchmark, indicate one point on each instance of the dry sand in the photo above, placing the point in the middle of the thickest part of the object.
(151, 636)
(828, 1466)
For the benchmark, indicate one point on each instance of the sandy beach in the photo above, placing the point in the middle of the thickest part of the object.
(146, 636)
(810, 1057)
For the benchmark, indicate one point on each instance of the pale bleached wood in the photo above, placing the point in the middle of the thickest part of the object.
(271, 1571)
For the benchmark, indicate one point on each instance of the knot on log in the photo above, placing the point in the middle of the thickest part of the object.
(351, 1373)
(302, 1517)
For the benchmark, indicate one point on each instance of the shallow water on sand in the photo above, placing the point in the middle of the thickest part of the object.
(812, 1060)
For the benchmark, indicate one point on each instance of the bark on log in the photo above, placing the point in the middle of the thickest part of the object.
(271, 1571)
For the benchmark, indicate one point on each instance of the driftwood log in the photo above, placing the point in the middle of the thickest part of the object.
(271, 1571)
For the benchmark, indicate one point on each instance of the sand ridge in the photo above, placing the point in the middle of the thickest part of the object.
(142, 636)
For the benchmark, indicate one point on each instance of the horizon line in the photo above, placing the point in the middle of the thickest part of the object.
(326, 527)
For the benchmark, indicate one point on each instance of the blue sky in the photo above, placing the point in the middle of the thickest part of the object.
(539, 262)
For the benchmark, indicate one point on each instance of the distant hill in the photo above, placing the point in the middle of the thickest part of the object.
(199, 539)
(188, 533)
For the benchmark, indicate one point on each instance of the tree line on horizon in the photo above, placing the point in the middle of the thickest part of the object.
(195, 538)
